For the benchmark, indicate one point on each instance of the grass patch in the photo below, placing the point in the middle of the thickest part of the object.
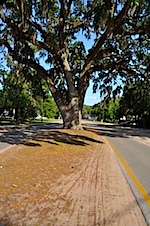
(10, 121)
(52, 120)
(6, 121)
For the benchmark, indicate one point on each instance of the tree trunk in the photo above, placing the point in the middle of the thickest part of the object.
(16, 114)
(72, 115)
(70, 106)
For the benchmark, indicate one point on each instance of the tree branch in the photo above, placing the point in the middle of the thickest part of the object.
(139, 30)
(63, 13)
(110, 30)
(69, 5)
(39, 27)
(23, 37)
(75, 25)
(49, 78)
(119, 64)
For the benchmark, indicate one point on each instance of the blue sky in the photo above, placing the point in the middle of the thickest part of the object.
(91, 98)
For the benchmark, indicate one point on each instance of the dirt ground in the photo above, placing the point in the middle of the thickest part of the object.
(65, 180)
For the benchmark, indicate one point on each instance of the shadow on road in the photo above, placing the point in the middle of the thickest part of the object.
(20, 135)
(118, 131)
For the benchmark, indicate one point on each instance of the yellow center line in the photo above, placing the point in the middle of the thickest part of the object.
(137, 183)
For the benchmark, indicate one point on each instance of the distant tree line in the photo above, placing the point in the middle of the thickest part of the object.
(107, 110)
(133, 104)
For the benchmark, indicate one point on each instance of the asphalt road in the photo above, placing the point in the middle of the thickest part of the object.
(134, 147)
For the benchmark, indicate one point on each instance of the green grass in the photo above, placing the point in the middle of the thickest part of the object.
(44, 120)
(6, 121)
(9, 121)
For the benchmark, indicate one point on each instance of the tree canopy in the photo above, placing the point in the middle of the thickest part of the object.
(48, 36)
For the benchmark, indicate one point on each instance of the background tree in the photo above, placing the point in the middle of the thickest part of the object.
(135, 101)
(21, 100)
(16, 96)
(107, 110)
(44, 36)
(86, 111)
(45, 103)
(113, 110)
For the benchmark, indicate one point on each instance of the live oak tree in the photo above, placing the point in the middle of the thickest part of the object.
(49, 37)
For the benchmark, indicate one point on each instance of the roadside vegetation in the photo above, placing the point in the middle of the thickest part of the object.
(133, 106)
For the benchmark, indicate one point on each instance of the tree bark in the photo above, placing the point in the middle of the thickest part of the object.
(70, 107)
(71, 115)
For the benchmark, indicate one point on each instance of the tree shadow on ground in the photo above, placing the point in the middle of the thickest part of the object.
(64, 137)
(4, 223)
(20, 135)
(43, 132)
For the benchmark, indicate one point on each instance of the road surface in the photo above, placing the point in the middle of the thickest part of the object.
(132, 145)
